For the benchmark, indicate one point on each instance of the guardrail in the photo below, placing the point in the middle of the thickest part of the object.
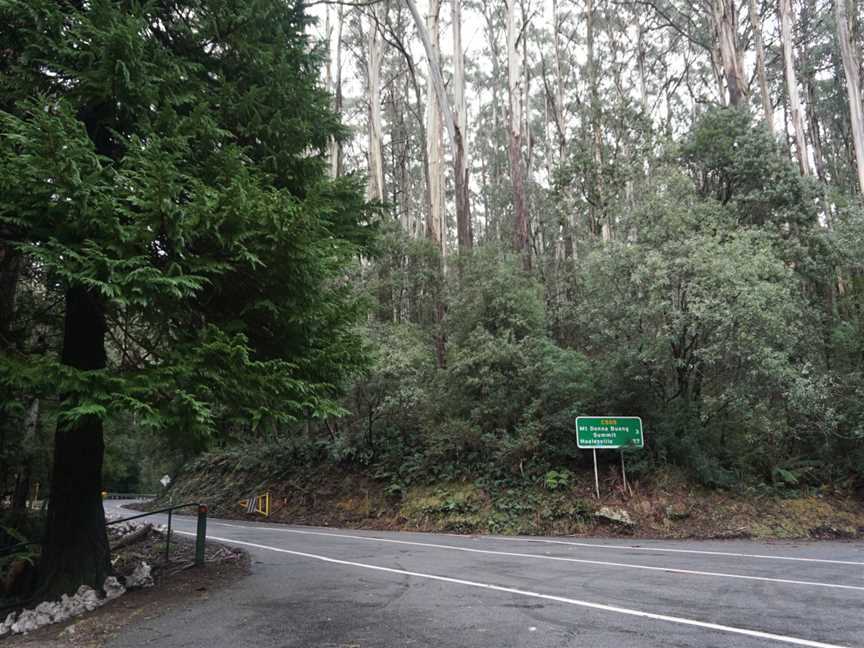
(132, 496)
(201, 530)
(200, 535)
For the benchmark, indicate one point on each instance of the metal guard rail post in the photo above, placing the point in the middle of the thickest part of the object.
(201, 532)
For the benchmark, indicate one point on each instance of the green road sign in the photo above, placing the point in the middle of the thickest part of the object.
(609, 432)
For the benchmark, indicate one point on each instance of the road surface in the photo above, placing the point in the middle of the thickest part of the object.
(331, 588)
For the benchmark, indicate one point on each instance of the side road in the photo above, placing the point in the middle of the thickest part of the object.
(331, 588)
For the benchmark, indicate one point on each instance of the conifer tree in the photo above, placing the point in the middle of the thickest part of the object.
(164, 165)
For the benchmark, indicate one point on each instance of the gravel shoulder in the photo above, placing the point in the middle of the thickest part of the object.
(177, 585)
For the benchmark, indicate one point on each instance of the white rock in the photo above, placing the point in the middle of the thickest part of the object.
(615, 515)
(141, 577)
(113, 588)
(27, 622)
(86, 599)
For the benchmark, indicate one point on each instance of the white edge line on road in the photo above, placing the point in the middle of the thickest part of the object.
(700, 552)
(728, 554)
(548, 597)
(584, 561)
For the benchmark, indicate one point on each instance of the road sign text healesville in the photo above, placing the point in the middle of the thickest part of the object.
(609, 432)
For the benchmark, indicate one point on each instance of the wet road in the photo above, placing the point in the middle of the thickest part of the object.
(333, 588)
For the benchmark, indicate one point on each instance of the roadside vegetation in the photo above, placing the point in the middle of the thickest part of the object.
(217, 264)
(718, 318)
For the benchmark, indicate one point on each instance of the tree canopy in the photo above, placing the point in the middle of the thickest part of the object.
(162, 173)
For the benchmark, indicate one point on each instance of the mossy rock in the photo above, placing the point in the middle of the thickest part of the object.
(830, 532)
(445, 500)
(462, 524)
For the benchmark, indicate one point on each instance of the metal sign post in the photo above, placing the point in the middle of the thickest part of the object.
(623, 472)
(596, 475)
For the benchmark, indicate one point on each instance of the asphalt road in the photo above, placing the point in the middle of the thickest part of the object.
(331, 588)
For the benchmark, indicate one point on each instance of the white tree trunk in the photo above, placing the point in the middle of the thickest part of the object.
(726, 33)
(559, 107)
(336, 147)
(514, 129)
(717, 72)
(436, 80)
(434, 138)
(463, 225)
(796, 112)
(851, 67)
(374, 60)
(598, 216)
(643, 77)
(756, 23)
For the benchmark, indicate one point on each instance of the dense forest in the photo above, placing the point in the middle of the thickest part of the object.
(418, 241)
(650, 208)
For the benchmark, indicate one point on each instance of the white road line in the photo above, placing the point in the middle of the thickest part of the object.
(548, 597)
(699, 552)
(584, 561)
(727, 554)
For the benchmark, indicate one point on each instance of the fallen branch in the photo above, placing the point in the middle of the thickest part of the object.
(131, 538)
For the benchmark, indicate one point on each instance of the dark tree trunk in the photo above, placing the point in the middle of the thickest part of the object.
(4, 466)
(10, 270)
(440, 337)
(10, 266)
(22, 489)
(463, 205)
(75, 548)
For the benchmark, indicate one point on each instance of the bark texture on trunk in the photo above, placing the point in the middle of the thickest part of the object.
(437, 227)
(851, 68)
(374, 60)
(796, 114)
(75, 548)
(10, 270)
(808, 13)
(464, 227)
(436, 81)
(514, 132)
(756, 24)
(28, 442)
(640, 63)
(726, 31)
(336, 81)
(559, 113)
(600, 224)
(560, 110)
(427, 226)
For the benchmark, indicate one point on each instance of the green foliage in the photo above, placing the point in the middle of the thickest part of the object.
(738, 162)
(557, 479)
(170, 161)
(505, 401)
(17, 532)
(493, 295)
(700, 315)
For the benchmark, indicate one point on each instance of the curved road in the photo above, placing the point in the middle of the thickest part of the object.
(331, 588)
